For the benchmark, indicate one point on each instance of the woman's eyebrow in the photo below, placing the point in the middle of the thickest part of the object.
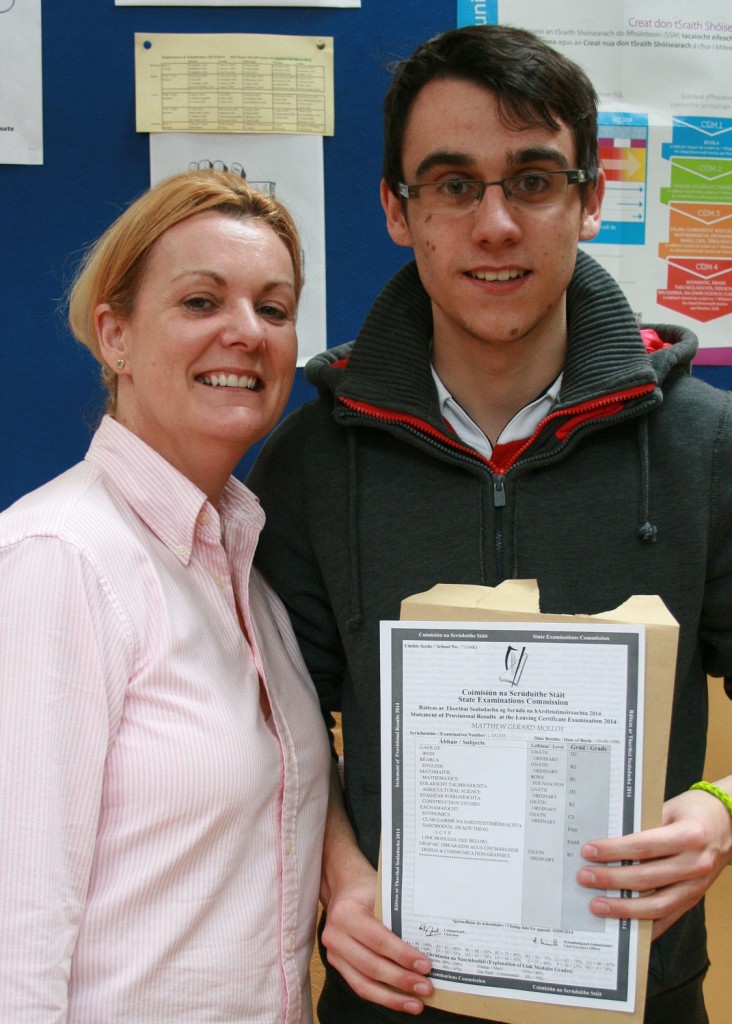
(200, 272)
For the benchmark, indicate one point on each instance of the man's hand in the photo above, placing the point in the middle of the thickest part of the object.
(377, 964)
(676, 862)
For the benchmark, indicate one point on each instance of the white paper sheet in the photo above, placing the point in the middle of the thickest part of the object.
(21, 95)
(289, 167)
(504, 749)
(236, 3)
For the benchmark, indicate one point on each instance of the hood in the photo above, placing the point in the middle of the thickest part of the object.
(608, 362)
(389, 356)
(677, 351)
(393, 344)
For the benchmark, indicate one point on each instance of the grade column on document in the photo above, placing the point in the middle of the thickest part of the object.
(567, 803)
(587, 816)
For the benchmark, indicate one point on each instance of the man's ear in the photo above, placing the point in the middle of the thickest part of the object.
(592, 210)
(111, 337)
(396, 220)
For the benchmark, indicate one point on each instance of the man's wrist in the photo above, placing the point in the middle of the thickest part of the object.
(721, 794)
(716, 791)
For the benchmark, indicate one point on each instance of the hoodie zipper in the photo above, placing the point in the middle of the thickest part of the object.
(422, 429)
(499, 491)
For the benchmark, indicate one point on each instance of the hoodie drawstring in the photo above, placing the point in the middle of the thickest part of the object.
(646, 531)
(355, 618)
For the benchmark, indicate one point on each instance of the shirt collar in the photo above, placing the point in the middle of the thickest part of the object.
(521, 426)
(167, 502)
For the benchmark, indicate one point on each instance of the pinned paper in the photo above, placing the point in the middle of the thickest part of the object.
(234, 83)
(21, 102)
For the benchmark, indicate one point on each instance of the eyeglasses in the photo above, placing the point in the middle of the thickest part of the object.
(460, 195)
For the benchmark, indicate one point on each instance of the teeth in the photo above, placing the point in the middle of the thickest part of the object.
(500, 275)
(229, 380)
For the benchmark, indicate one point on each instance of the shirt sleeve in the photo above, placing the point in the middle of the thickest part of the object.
(63, 664)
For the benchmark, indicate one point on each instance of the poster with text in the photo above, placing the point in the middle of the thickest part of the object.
(662, 72)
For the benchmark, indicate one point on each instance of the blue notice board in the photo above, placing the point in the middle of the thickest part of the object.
(95, 163)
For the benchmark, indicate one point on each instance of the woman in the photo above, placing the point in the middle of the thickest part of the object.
(163, 757)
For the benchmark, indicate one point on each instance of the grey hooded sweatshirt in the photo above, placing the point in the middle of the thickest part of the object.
(625, 488)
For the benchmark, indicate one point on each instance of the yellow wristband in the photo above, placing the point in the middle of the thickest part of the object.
(720, 794)
(709, 787)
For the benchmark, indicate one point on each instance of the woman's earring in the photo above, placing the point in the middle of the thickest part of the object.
(120, 364)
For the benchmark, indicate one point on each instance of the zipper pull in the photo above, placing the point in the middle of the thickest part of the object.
(499, 493)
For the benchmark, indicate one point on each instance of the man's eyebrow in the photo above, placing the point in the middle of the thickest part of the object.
(537, 154)
(514, 158)
(442, 157)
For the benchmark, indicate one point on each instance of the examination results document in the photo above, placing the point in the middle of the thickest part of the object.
(505, 747)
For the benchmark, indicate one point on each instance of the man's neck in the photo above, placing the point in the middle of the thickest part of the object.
(494, 382)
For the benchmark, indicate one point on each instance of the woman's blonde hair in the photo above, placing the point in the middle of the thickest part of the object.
(113, 268)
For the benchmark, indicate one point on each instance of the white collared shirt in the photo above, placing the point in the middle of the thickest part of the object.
(520, 427)
(161, 841)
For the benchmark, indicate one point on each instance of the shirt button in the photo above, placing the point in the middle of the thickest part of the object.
(288, 847)
(218, 580)
(289, 944)
(204, 519)
(182, 550)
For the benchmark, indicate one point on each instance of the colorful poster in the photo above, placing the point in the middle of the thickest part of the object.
(21, 98)
(662, 72)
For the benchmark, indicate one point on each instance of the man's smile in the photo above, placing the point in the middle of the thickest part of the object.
(497, 275)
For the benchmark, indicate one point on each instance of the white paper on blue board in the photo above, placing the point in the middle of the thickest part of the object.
(21, 95)
(237, 3)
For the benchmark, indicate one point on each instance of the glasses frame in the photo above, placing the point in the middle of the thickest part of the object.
(575, 176)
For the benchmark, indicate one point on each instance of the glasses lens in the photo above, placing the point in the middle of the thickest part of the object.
(454, 194)
(459, 195)
(537, 189)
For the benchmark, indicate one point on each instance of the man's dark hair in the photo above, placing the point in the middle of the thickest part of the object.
(532, 83)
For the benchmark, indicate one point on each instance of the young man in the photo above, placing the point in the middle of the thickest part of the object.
(501, 415)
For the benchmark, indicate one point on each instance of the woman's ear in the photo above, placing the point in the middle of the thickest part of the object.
(111, 337)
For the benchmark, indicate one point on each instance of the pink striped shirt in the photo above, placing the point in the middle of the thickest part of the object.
(159, 840)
